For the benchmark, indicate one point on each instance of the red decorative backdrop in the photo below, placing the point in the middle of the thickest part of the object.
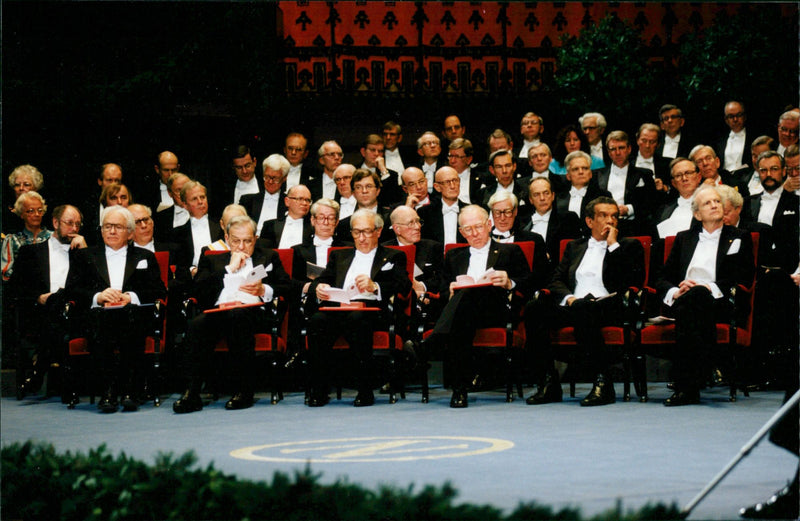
(465, 48)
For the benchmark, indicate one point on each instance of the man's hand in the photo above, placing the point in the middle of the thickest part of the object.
(792, 184)
(660, 185)
(570, 300)
(113, 296)
(380, 165)
(77, 242)
(500, 279)
(685, 286)
(610, 233)
(365, 285)
(322, 291)
(254, 288)
(412, 201)
(238, 259)
(623, 210)
(43, 298)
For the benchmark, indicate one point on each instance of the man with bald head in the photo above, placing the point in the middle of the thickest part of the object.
(441, 216)
(330, 157)
(157, 196)
(342, 176)
(169, 219)
(733, 147)
(407, 228)
(295, 228)
(415, 185)
(677, 215)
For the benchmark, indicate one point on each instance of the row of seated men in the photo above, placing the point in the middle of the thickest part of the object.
(112, 292)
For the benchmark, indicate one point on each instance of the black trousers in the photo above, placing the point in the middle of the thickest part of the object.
(119, 330)
(239, 327)
(468, 310)
(357, 327)
(587, 315)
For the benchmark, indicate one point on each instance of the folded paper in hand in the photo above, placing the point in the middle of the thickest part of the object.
(343, 296)
(463, 281)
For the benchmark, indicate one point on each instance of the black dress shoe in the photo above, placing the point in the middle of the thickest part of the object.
(682, 398)
(239, 401)
(318, 400)
(108, 403)
(364, 399)
(602, 393)
(548, 392)
(189, 402)
(30, 385)
(459, 400)
(782, 505)
(129, 403)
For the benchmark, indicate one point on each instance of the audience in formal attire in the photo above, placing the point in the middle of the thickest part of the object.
(30, 207)
(24, 178)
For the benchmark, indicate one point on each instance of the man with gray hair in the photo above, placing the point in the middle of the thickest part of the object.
(111, 285)
(582, 187)
(222, 285)
(269, 204)
(594, 125)
(330, 157)
(787, 130)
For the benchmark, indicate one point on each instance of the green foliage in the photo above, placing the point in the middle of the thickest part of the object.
(38, 483)
(604, 69)
(750, 55)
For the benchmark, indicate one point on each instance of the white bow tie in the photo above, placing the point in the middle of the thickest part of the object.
(323, 242)
(274, 196)
(684, 203)
(593, 243)
(706, 237)
(115, 253)
(734, 135)
(766, 196)
(671, 140)
(575, 192)
(450, 209)
(504, 235)
(539, 220)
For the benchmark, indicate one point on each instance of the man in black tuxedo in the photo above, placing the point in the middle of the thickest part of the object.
(733, 148)
(415, 185)
(586, 292)
(709, 165)
(788, 124)
(269, 204)
(593, 124)
(633, 188)
(156, 194)
(301, 172)
(295, 227)
(470, 179)
(376, 273)
(704, 264)
(428, 254)
(645, 158)
(366, 187)
(429, 148)
(583, 188)
(531, 127)
(545, 221)
(237, 324)
(168, 219)
(468, 309)
(372, 152)
(111, 284)
(324, 185)
(503, 168)
(37, 288)
(676, 216)
(244, 165)
(674, 142)
(199, 231)
(441, 216)
(539, 159)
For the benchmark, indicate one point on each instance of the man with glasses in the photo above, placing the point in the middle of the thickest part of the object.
(270, 203)
(677, 215)
(200, 230)
(734, 146)
(343, 177)
(168, 219)
(392, 134)
(545, 221)
(594, 125)
(374, 274)
(37, 287)
(295, 228)
(295, 150)
(531, 127)
(112, 286)
(324, 185)
(468, 309)
(429, 148)
(372, 152)
(407, 228)
(583, 186)
(366, 188)
(243, 164)
(470, 179)
(233, 321)
(674, 142)
(415, 185)
(441, 216)
(788, 130)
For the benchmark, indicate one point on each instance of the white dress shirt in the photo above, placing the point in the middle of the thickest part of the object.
(393, 160)
(463, 186)
(671, 146)
(540, 222)
(59, 263)
(681, 219)
(734, 151)
(361, 265)
(754, 185)
(430, 173)
(180, 216)
(150, 246)
(347, 205)
(769, 203)
(293, 178)
(647, 163)
(703, 266)
(269, 208)
(292, 233)
(526, 145)
(328, 186)
(166, 200)
(450, 221)
(478, 258)
(244, 188)
(589, 275)
(201, 236)
(321, 250)
(115, 261)
(576, 196)
(616, 185)
(596, 150)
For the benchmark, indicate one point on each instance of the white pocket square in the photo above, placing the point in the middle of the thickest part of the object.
(734, 249)
(788, 212)
(387, 266)
(268, 268)
(142, 265)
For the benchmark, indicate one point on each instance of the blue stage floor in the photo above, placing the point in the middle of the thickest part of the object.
(493, 452)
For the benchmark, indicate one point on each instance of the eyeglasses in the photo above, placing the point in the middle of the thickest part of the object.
(236, 243)
(325, 218)
(617, 149)
(295, 149)
(334, 154)
(671, 117)
(503, 213)
(448, 182)
(366, 233)
(774, 169)
(71, 224)
(454, 156)
(738, 115)
(37, 211)
(23, 185)
(342, 178)
(116, 227)
(790, 169)
(411, 224)
(272, 178)
(475, 228)
(589, 128)
(364, 188)
(241, 168)
(683, 175)
(430, 144)
(143, 220)
(704, 160)
(415, 184)
(792, 131)
(304, 200)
